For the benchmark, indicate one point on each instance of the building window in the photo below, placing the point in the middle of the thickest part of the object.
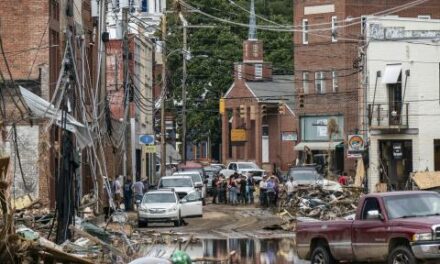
(305, 29)
(319, 82)
(334, 28)
(258, 71)
(305, 79)
(239, 70)
(144, 6)
(255, 50)
(424, 16)
(335, 81)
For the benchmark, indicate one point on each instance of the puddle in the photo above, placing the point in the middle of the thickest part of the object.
(248, 250)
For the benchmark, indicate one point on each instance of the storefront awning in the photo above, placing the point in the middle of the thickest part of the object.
(316, 145)
(392, 73)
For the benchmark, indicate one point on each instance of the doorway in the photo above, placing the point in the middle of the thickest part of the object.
(395, 163)
(265, 144)
(437, 154)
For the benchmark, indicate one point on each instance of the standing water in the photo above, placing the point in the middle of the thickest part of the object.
(247, 250)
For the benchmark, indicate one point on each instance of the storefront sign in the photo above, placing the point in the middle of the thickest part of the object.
(314, 128)
(238, 135)
(150, 148)
(356, 146)
(289, 136)
(397, 150)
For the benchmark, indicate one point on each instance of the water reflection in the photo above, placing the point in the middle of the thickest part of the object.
(265, 251)
(247, 250)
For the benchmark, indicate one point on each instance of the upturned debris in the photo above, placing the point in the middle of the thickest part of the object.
(318, 203)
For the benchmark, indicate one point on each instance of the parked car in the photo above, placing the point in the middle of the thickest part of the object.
(308, 176)
(397, 227)
(182, 185)
(197, 178)
(244, 167)
(163, 205)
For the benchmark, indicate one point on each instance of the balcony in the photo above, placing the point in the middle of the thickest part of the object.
(388, 116)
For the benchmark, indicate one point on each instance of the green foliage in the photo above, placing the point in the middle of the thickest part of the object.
(213, 52)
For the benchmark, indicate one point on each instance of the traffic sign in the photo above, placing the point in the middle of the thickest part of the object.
(146, 139)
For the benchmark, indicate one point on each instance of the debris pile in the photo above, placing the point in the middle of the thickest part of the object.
(318, 203)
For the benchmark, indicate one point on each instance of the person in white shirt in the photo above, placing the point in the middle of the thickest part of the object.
(291, 188)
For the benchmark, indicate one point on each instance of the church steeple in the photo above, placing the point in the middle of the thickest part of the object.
(253, 67)
(252, 23)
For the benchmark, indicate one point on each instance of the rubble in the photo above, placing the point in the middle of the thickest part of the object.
(318, 203)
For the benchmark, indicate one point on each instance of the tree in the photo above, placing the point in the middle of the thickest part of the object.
(213, 52)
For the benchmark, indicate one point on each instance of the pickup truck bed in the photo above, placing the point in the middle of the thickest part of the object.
(397, 227)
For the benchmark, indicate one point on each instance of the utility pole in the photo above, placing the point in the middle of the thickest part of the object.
(163, 155)
(125, 81)
(184, 77)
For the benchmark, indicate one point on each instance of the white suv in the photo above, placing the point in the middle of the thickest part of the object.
(182, 185)
(244, 167)
(164, 206)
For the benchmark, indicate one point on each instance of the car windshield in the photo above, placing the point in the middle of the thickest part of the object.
(196, 177)
(159, 198)
(247, 166)
(304, 175)
(414, 205)
(169, 183)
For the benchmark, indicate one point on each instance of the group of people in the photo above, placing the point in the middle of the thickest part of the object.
(240, 189)
(124, 193)
(237, 189)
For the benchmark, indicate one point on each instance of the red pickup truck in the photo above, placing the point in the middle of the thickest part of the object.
(396, 227)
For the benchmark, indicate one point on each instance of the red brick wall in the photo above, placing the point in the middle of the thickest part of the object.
(22, 26)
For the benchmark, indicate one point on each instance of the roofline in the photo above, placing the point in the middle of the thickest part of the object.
(252, 92)
(410, 19)
(229, 90)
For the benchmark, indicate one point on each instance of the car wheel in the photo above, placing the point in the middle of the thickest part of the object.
(178, 223)
(401, 255)
(321, 255)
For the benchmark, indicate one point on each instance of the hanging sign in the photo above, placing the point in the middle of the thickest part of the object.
(150, 149)
(356, 146)
(238, 135)
(146, 139)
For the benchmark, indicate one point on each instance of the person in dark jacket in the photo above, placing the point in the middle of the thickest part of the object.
(243, 184)
(215, 182)
(128, 194)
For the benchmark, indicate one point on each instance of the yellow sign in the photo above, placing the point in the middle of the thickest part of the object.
(150, 148)
(238, 135)
(221, 105)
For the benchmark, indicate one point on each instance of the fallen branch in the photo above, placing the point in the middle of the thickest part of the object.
(98, 241)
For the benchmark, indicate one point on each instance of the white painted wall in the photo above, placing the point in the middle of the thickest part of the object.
(28, 141)
(422, 58)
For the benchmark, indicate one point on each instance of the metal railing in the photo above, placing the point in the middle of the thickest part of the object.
(388, 115)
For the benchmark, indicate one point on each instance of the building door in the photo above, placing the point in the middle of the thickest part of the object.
(437, 154)
(395, 163)
(395, 102)
(265, 144)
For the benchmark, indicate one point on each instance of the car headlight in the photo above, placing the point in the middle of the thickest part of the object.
(422, 237)
(172, 209)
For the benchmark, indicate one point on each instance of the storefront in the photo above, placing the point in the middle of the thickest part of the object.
(317, 141)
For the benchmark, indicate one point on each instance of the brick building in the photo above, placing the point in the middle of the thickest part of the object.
(328, 64)
(258, 122)
(33, 40)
